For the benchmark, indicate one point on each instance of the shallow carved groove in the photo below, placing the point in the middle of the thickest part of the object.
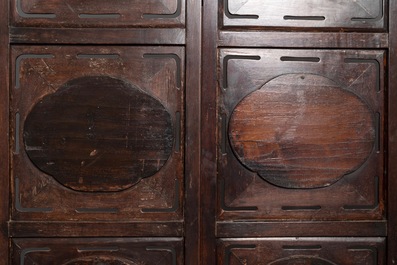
(226, 60)
(302, 131)
(26, 251)
(98, 134)
(176, 14)
(100, 260)
(301, 260)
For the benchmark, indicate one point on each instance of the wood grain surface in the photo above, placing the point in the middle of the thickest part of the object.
(302, 131)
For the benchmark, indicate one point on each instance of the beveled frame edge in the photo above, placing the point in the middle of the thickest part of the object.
(4, 141)
(392, 137)
(193, 131)
(208, 136)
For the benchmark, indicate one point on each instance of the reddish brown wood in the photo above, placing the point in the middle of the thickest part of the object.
(302, 131)
(201, 74)
(251, 75)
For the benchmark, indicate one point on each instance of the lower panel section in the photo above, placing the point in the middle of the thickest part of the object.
(286, 251)
(118, 251)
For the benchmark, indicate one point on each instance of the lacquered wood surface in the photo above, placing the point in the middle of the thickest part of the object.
(302, 131)
(79, 101)
(212, 72)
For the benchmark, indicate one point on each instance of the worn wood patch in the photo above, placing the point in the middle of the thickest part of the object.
(302, 131)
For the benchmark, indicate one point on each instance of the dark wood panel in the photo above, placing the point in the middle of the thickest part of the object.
(90, 229)
(90, 13)
(122, 251)
(91, 140)
(352, 14)
(90, 36)
(285, 251)
(301, 228)
(264, 101)
(303, 39)
(134, 76)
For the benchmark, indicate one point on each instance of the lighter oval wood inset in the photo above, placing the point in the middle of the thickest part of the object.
(302, 131)
(98, 133)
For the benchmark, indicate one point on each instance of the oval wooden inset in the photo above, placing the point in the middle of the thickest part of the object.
(98, 134)
(302, 131)
(302, 260)
(100, 260)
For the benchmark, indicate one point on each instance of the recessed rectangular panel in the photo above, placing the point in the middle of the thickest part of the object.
(300, 134)
(98, 251)
(280, 251)
(91, 13)
(97, 132)
(327, 14)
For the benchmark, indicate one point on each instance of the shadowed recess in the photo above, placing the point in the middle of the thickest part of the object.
(302, 131)
(295, 260)
(304, 18)
(98, 133)
(101, 259)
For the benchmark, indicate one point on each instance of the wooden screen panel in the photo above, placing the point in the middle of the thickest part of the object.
(300, 134)
(352, 14)
(91, 13)
(113, 117)
(288, 251)
(115, 251)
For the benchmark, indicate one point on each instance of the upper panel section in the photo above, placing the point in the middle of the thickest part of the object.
(93, 13)
(325, 14)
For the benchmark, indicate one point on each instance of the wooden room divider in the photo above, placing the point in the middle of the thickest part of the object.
(198, 132)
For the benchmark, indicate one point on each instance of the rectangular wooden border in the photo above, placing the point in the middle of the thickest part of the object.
(302, 229)
(193, 129)
(208, 133)
(4, 156)
(84, 229)
(90, 36)
(392, 136)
